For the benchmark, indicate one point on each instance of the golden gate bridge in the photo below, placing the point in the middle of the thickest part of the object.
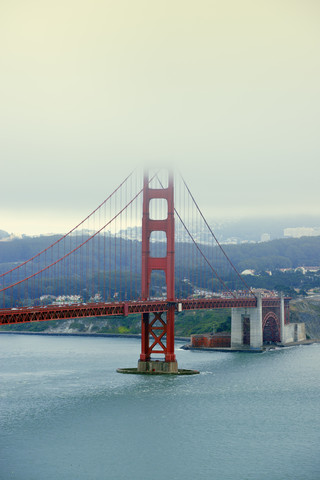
(146, 249)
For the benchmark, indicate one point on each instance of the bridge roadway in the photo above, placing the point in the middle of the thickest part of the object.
(54, 312)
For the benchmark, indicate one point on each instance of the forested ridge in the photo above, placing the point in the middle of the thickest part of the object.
(125, 255)
(281, 253)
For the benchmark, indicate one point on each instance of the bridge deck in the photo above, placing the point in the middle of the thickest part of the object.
(36, 314)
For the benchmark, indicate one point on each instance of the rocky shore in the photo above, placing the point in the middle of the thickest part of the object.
(307, 310)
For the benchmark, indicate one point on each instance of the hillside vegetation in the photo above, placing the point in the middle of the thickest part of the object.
(283, 253)
(273, 255)
(307, 310)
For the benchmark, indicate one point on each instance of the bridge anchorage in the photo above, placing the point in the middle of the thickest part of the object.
(157, 329)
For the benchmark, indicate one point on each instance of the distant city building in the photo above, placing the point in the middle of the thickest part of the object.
(67, 300)
(304, 270)
(301, 269)
(265, 237)
(248, 272)
(264, 292)
(230, 241)
(297, 232)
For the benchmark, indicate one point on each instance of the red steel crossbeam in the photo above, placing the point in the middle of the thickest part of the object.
(157, 330)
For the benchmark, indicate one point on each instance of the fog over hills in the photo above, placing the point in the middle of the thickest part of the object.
(252, 229)
(234, 230)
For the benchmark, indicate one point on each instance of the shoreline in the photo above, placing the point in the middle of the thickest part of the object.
(61, 334)
(251, 350)
(182, 339)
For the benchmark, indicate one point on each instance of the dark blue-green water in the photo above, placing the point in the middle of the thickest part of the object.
(66, 414)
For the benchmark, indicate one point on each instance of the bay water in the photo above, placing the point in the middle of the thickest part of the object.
(65, 413)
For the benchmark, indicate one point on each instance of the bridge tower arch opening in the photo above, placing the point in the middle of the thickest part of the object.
(271, 329)
(246, 330)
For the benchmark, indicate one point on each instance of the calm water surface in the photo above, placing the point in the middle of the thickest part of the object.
(66, 414)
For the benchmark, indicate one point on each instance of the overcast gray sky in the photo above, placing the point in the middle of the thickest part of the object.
(229, 91)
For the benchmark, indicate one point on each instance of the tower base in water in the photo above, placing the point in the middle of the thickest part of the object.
(157, 367)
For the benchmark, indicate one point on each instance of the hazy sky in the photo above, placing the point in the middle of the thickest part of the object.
(227, 90)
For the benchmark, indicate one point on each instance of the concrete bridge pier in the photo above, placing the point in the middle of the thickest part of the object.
(246, 327)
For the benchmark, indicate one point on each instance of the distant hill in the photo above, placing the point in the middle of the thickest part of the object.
(251, 229)
(19, 249)
(281, 253)
(264, 256)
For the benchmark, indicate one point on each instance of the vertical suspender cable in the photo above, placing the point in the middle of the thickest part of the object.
(104, 257)
(120, 250)
(131, 240)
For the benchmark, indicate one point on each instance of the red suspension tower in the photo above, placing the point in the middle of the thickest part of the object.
(157, 333)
